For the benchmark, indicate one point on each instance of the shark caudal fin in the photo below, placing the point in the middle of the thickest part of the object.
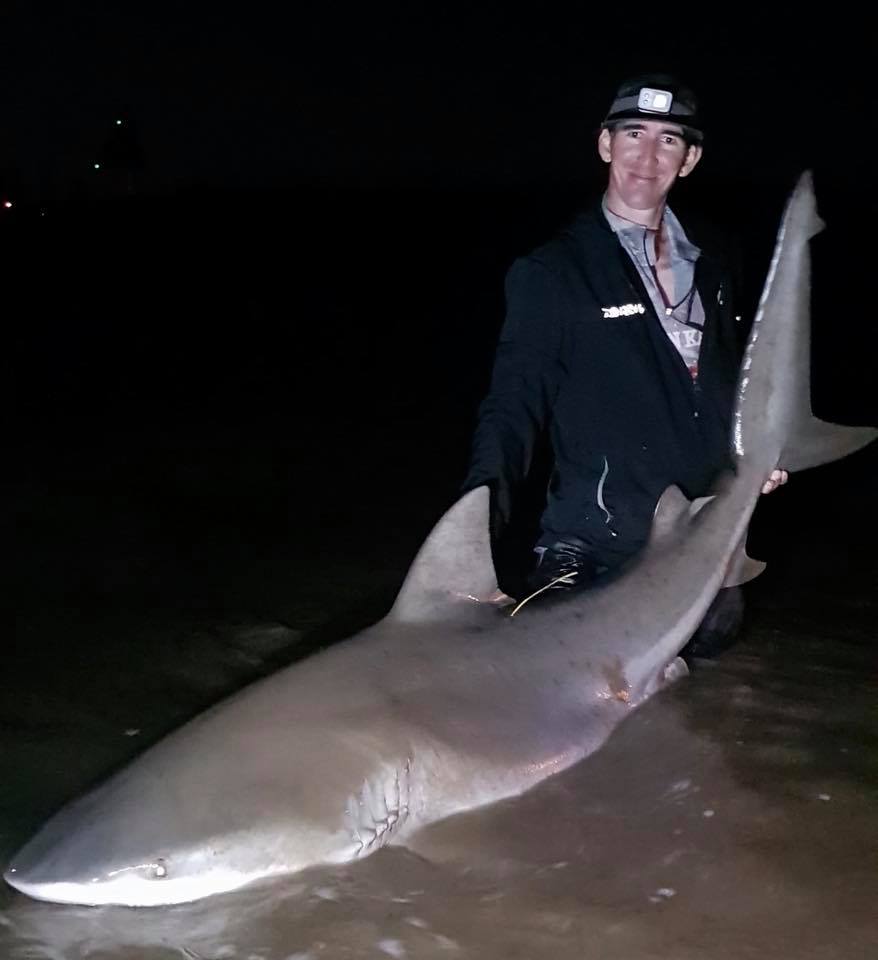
(773, 415)
(454, 566)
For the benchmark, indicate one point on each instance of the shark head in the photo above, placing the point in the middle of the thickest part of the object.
(171, 835)
(88, 857)
(83, 865)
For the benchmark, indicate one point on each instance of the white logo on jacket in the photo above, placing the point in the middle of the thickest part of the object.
(626, 310)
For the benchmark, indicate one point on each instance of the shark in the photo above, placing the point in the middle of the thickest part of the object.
(448, 702)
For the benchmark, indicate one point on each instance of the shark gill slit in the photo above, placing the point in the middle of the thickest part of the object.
(369, 829)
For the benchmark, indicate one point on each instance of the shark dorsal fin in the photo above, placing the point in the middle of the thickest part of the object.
(672, 510)
(671, 507)
(454, 567)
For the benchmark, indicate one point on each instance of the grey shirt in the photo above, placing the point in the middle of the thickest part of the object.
(684, 320)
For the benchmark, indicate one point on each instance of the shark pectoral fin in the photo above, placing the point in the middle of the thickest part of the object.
(675, 670)
(742, 568)
(670, 673)
(454, 569)
(813, 442)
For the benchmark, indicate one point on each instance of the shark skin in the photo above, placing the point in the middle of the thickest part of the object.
(447, 703)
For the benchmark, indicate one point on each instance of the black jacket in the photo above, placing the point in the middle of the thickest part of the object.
(624, 417)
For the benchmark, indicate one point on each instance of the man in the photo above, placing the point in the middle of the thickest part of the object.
(621, 342)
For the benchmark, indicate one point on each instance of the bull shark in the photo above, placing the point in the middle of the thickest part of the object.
(447, 703)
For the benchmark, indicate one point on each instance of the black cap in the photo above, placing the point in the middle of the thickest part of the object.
(656, 96)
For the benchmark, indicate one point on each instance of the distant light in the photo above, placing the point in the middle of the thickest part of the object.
(97, 166)
(7, 204)
(118, 123)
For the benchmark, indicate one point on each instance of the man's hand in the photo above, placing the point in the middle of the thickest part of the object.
(777, 479)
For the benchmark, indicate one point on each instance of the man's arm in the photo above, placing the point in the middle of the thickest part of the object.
(526, 375)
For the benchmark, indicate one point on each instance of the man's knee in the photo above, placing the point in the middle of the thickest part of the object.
(720, 627)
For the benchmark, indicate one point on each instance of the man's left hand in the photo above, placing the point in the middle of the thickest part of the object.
(777, 479)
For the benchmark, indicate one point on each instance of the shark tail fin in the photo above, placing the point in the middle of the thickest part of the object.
(454, 566)
(781, 403)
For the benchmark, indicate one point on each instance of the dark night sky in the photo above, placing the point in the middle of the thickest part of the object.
(248, 95)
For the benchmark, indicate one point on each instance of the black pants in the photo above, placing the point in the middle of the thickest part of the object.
(719, 628)
(564, 565)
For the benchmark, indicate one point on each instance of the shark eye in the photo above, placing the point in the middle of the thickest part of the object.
(159, 870)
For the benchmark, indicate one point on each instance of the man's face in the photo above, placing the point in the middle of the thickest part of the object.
(645, 158)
